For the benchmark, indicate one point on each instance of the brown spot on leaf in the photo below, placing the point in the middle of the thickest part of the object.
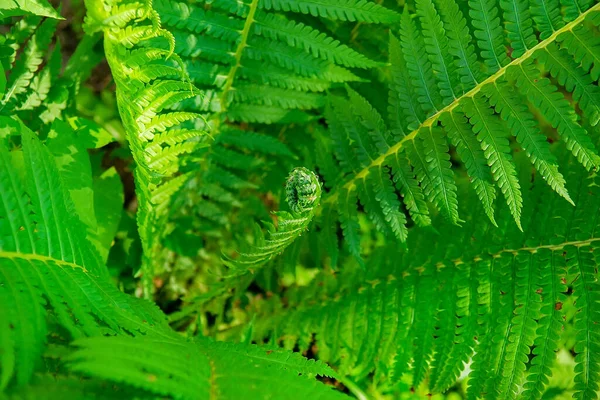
(558, 306)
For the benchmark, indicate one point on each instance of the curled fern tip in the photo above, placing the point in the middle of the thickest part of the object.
(302, 190)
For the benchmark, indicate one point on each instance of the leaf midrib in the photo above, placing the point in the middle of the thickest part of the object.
(39, 257)
(350, 185)
(238, 55)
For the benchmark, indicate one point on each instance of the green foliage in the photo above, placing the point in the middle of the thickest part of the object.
(257, 65)
(439, 90)
(55, 289)
(428, 310)
(142, 144)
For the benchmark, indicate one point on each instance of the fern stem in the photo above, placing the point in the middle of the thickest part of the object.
(238, 55)
(351, 184)
(353, 388)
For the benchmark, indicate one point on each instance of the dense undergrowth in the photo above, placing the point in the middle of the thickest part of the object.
(293, 199)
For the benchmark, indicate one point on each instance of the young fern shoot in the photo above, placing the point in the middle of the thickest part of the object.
(302, 193)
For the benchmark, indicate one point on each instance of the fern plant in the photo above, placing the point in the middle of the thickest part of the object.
(468, 94)
(454, 247)
(157, 67)
(485, 297)
(57, 296)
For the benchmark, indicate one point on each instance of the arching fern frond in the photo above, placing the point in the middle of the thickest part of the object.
(439, 91)
(47, 265)
(150, 84)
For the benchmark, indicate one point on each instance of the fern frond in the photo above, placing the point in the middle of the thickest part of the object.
(36, 88)
(474, 158)
(547, 16)
(253, 142)
(450, 362)
(47, 193)
(47, 265)
(388, 201)
(303, 193)
(512, 110)
(361, 147)
(550, 325)
(372, 207)
(460, 42)
(412, 193)
(229, 371)
(283, 98)
(523, 326)
(424, 326)
(440, 183)
(156, 135)
(403, 109)
(555, 108)
(427, 96)
(419, 67)
(581, 264)
(250, 62)
(574, 79)
(583, 46)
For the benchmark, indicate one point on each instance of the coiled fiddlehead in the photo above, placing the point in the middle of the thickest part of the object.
(302, 190)
(303, 193)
